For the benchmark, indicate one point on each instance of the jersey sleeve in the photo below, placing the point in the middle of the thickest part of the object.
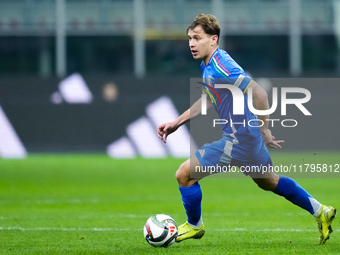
(226, 70)
(240, 80)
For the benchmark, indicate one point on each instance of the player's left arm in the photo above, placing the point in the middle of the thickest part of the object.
(165, 129)
(260, 101)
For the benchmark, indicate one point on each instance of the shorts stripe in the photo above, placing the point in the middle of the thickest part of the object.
(226, 156)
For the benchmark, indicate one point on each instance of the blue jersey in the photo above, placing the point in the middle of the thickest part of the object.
(222, 69)
(242, 144)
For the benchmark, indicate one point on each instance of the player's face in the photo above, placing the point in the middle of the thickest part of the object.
(202, 45)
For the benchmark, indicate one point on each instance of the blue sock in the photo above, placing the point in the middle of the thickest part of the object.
(192, 197)
(293, 192)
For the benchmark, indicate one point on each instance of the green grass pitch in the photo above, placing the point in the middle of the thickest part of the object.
(91, 204)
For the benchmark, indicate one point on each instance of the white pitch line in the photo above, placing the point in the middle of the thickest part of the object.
(139, 216)
(135, 229)
(81, 217)
(270, 230)
(67, 229)
(55, 201)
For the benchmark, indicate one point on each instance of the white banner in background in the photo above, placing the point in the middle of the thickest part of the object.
(73, 90)
(10, 144)
(142, 136)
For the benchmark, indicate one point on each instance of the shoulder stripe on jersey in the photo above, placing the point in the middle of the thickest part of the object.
(218, 69)
(221, 66)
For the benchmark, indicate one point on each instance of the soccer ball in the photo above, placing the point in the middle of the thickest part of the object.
(160, 230)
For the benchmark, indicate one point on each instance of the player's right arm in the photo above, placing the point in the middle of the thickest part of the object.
(260, 99)
(166, 129)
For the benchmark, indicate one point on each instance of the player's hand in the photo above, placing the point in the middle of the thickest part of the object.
(166, 129)
(270, 141)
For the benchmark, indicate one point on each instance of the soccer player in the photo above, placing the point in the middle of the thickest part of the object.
(240, 145)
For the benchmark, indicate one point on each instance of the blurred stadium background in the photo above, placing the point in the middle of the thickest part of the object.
(98, 76)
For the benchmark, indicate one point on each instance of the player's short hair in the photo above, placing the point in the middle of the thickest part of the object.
(208, 22)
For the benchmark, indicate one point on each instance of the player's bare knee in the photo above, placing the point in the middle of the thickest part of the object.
(183, 181)
(264, 186)
(182, 176)
(268, 184)
(178, 175)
